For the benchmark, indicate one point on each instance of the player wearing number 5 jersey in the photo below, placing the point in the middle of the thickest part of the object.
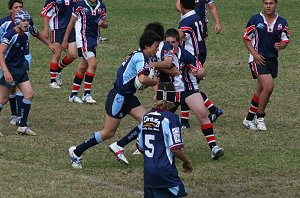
(160, 140)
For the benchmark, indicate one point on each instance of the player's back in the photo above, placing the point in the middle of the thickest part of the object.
(160, 133)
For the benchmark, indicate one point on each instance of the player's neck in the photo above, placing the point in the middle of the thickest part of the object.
(270, 17)
(184, 11)
(91, 3)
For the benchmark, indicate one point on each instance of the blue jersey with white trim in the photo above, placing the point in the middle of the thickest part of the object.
(16, 48)
(86, 27)
(135, 65)
(263, 36)
(59, 12)
(6, 23)
(192, 27)
(200, 9)
(160, 134)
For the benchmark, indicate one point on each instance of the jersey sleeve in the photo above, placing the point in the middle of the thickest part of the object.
(76, 9)
(141, 64)
(173, 132)
(7, 38)
(249, 33)
(48, 9)
(285, 35)
(191, 61)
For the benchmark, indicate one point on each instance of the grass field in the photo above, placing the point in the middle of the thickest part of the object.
(255, 164)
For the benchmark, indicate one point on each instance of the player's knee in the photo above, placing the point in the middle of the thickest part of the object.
(107, 134)
(202, 116)
(4, 99)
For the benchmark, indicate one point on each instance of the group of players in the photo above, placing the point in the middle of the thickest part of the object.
(179, 63)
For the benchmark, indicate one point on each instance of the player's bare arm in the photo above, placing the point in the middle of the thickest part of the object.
(259, 59)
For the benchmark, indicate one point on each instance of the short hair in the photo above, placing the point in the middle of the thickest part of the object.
(172, 32)
(274, 0)
(188, 4)
(12, 2)
(148, 38)
(156, 27)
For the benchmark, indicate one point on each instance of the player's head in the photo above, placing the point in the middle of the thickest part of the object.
(15, 6)
(269, 7)
(156, 27)
(147, 40)
(172, 37)
(20, 17)
(187, 4)
(165, 96)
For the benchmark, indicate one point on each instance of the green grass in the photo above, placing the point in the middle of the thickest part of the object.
(255, 164)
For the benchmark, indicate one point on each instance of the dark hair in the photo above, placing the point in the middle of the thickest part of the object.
(188, 4)
(148, 38)
(172, 32)
(156, 27)
(12, 2)
(274, 0)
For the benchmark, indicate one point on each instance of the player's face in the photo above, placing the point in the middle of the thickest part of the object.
(172, 41)
(24, 25)
(270, 7)
(15, 8)
(151, 51)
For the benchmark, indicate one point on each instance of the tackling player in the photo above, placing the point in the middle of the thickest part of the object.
(121, 99)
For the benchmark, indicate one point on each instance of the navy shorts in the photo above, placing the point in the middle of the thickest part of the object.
(271, 67)
(178, 191)
(205, 34)
(19, 75)
(119, 105)
(57, 36)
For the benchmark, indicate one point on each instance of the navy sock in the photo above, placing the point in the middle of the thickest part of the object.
(25, 107)
(88, 143)
(19, 98)
(132, 135)
(13, 105)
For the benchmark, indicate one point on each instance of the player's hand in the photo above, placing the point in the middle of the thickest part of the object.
(64, 45)
(8, 77)
(280, 45)
(259, 59)
(187, 167)
(198, 73)
(218, 28)
(52, 48)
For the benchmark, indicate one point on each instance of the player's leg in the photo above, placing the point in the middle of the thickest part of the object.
(82, 67)
(185, 115)
(214, 112)
(68, 59)
(13, 106)
(110, 126)
(133, 107)
(90, 56)
(248, 121)
(54, 64)
(27, 90)
(196, 104)
(267, 84)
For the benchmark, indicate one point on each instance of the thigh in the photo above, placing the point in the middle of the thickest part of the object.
(26, 89)
(138, 113)
(72, 49)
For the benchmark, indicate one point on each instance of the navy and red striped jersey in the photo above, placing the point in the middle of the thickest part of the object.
(87, 24)
(192, 26)
(264, 36)
(59, 12)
